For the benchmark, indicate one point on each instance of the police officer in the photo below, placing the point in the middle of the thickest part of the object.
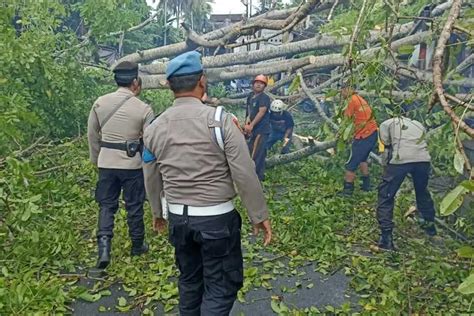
(115, 127)
(364, 139)
(257, 125)
(281, 122)
(406, 152)
(186, 166)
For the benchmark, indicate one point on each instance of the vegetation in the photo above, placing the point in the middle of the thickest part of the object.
(48, 216)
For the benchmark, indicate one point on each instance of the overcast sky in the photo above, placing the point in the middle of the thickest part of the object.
(221, 6)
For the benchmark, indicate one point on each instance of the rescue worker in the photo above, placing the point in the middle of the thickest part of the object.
(257, 124)
(115, 127)
(364, 139)
(185, 165)
(281, 122)
(406, 152)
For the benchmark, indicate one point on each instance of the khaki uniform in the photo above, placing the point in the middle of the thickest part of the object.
(127, 123)
(190, 167)
(118, 173)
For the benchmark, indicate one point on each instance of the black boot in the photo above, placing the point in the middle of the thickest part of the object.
(348, 189)
(139, 247)
(428, 226)
(386, 240)
(366, 183)
(103, 243)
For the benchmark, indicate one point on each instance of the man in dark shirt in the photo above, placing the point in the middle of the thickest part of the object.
(257, 124)
(281, 122)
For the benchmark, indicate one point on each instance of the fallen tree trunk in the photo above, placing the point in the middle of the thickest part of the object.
(330, 60)
(296, 155)
(179, 48)
(250, 57)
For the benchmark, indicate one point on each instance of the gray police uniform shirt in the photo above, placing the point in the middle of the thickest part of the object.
(191, 168)
(406, 137)
(127, 123)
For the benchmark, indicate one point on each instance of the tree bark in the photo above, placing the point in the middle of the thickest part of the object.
(331, 60)
(437, 67)
(179, 48)
(296, 155)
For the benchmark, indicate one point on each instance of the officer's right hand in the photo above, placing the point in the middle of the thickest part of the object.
(267, 228)
(159, 225)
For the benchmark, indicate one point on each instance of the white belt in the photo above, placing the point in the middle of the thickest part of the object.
(218, 209)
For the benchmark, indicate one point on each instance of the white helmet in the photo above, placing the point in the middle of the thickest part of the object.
(277, 106)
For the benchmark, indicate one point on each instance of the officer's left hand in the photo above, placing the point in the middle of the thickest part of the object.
(286, 141)
(159, 225)
(248, 129)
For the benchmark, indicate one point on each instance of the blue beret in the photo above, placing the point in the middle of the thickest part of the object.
(188, 63)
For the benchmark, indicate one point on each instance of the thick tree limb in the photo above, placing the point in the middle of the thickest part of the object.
(466, 63)
(137, 27)
(296, 17)
(422, 75)
(220, 74)
(251, 57)
(331, 60)
(178, 48)
(296, 155)
(437, 70)
(320, 110)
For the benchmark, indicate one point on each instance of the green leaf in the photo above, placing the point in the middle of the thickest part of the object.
(105, 293)
(295, 84)
(467, 287)
(385, 101)
(122, 301)
(275, 307)
(452, 201)
(86, 296)
(466, 252)
(458, 162)
(102, 309)
(468, 184)
(310, 286)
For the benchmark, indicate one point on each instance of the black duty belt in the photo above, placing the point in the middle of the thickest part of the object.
(118, 146)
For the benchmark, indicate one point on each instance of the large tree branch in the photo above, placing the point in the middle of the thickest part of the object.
(296, 155)
(178, 48)
(137, 27)
(331, 60)
(437, 68)
(317, 42)
(296, 17)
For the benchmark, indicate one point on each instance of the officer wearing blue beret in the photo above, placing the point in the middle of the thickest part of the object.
(194, 155)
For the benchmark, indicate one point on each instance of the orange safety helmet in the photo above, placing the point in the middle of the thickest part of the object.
(261, 78)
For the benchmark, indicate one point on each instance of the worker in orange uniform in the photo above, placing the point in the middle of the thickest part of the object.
(364, 139)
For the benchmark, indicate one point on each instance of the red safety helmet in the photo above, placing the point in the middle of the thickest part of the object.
(261, 78)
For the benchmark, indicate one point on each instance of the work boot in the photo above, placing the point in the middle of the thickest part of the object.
(103, 243)
(386, 240)
(428, 226)
(139, 247)
(366, 184)
(348, 189)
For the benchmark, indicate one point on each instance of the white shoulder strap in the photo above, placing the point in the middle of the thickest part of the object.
(217, 129)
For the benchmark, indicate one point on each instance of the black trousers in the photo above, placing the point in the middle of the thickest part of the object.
(392, 180)
(209, 257)
(110, 185)
(258, 151)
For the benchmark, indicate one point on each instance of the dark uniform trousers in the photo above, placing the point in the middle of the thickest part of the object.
(258, 150)
(110, 184)
(392, 180)
(209, 257)
(276, 136)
